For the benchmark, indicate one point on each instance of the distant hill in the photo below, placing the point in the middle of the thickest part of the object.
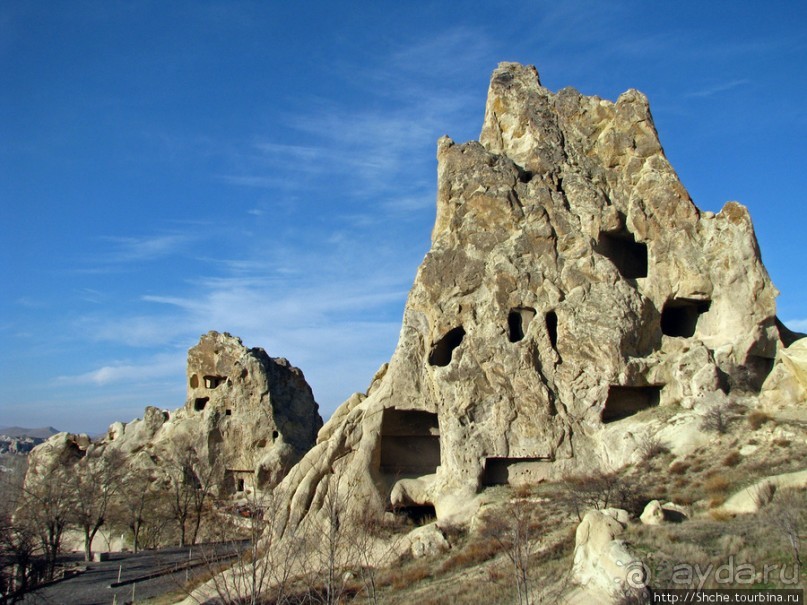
(40, 433)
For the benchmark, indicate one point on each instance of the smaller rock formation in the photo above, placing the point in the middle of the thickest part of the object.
(787, 383)
(603, 567)
(752, 498)
(657, 513)
(257, 413)
(247, 416)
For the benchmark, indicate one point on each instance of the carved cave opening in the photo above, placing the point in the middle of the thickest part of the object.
(200, 403)
(500, 471)
(551, 320)
(518, 320)
(752, 374)
(628, 255)
(410, 443)
(443, 349)
(418, 514)
(623, 402)
(238, 480)
(211, 382)
(680, 316)
(194, 381)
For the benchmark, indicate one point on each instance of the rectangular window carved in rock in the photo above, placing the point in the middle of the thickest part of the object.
(623, 402)
(410, 443)
(628, 255)
(680, 316)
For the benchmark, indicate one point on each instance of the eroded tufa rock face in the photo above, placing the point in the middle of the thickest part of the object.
(571, 284)
(254, 408)
(247, 416)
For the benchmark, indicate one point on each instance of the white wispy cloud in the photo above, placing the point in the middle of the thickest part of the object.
(330, 301)
(140, 330)
(373, 144)
(715, 89)
(160, 366)
(146, 248)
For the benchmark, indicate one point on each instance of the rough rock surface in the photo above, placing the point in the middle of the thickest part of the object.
(248, 416)
(571, 283)
(602, 564)
(787, 382)
(657, 513)
(754, 497)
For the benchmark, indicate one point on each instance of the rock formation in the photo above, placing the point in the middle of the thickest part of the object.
(248, 416)
(603, 566)
(571, 284)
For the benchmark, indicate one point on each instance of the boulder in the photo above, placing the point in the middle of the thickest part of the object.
(427, 541)
(750, 499)
(656, 513)
(603, 567)
(787, 383)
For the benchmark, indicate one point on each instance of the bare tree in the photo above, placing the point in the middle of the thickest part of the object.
(515, 532)
(600, 490)
(190, 482)
(136, 503)
(718, 418)
(264, 562)
(46, 507)
(373, 543)
(92, 484)
(328, 550)
(18, 542)
(787, 513)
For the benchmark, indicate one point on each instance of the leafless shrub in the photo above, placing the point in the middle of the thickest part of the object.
(788, 515)
(763, 494)
(515, 532)
(717, 487)
(679, 467)
(717, 418)
(601, 490)
(652, 446)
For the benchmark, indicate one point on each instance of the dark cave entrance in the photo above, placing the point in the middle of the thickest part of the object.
(680, 316)
(628, 255)
(551, 320)
(200, 403)
(212, 382)
(623, 402)
(410, 443)
(518, 320)
(500, 470)
(443, 349)
(419, 514)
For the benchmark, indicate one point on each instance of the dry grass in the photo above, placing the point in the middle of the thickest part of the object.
(411, 574)
(679, 467)
(474, 552)
(756, 418)
(733, 458)
(719, 515)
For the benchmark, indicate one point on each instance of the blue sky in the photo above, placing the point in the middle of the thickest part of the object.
(267, 169)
